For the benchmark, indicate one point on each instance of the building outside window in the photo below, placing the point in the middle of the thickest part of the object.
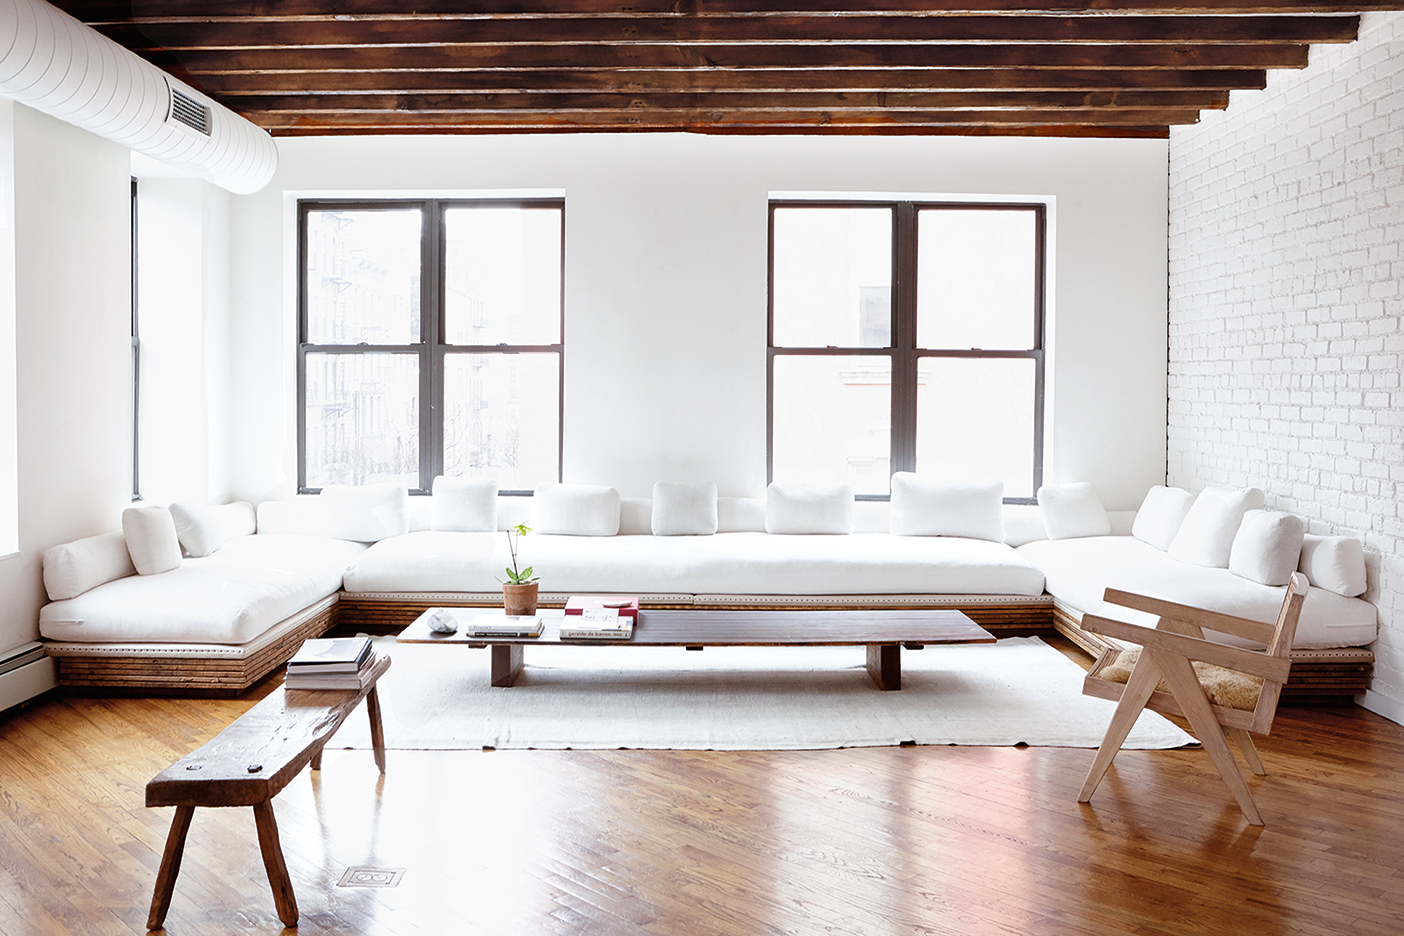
(431, 342)
(906, 336)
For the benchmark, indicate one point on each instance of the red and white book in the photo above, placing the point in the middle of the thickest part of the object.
(623, 605)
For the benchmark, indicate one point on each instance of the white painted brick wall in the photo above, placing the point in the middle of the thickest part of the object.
(1286, 301)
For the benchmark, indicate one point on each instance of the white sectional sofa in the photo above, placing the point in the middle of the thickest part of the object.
(237, 603)
(1219, 551)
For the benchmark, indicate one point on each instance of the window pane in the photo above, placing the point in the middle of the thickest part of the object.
(975, 278)
(832, 277)
(502, 418)
(502, 275)
(975, 418)
(363, 276)
(362, 419)
(832, 421)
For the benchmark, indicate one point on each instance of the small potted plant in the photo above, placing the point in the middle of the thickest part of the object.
(519, 588)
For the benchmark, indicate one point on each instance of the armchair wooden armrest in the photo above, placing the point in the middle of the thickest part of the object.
(1253, 662)
(1195, 617)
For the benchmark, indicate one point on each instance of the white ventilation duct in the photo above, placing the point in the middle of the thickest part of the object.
(55, 64)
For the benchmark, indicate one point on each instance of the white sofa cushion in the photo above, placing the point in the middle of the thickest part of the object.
(635, 516)
(1072, 510)
(1161, 515)
(808, 508)
(72, 568)
(365, 513)
(682, 508)
(1079, 571)
(151, 538)
(1335, 563)
(197, 528)
(927, 507)
(575, 510)
(231, 597)
(467, 505)
(1206, 536)
(1267, 547)
(234, 519)
(726, 563)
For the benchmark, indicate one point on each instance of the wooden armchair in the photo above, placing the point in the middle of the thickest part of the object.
(1224, 692)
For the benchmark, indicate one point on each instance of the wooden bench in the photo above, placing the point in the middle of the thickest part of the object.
(247, 764)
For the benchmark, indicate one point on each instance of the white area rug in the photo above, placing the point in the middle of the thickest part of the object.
(1018, 691)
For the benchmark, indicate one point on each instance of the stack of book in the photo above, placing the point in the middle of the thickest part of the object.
(599, 617)
(507, 626)
(331, 663)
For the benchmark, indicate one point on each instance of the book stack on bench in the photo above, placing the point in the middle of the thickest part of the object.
(331, 663)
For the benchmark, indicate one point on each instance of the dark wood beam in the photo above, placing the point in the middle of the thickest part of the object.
(148, 11)
(752, 121)
(963, 55)
(434, 33)
(407, 105)
(772, 80)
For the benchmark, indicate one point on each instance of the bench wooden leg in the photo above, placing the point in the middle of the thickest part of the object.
(377, 732)
(278, 878)
(885, 665)
(170, 867)
(507, 662)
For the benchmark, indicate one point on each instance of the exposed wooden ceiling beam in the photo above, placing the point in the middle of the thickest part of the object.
(808, 30)
(774, 80)
(106, 11)
(710, 57)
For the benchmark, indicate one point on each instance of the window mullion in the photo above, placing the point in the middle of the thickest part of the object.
(431, 362)
(904, 332)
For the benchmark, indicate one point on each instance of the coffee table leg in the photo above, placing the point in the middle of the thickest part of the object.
(885, 665)
(507, 662)
(170, 867)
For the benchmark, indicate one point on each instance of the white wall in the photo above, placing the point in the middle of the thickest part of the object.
(183, 321)
(1286, 306)
(72, 307)
(666, 287)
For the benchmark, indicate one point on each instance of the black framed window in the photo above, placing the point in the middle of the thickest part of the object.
(136, 361)
(430, 341)
(906, 336)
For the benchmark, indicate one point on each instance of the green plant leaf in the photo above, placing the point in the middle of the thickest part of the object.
(526, 574)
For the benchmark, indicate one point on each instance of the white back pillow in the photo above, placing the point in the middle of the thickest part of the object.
(575, 510)
(1206, 536)
(365, 513)
(684, 508)
(1161, 515)
(740, 514)
(464, 505)
(197, 528)
(1072, 510)
(151, 538)
(808, 508)
(73, 568)
(922, 507)
(1335, 563)
(1267, 547)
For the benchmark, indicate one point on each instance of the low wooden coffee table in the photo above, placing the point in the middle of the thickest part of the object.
(884, 633)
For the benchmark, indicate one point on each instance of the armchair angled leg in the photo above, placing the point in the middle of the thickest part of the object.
(1190, 696)
(1139, 687)
(1245, 744)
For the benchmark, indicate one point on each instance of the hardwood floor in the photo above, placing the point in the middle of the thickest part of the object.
(928, 840)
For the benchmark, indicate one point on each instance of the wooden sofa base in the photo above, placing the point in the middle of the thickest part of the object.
(1003, 616)
(169, 673)
(1319, 677)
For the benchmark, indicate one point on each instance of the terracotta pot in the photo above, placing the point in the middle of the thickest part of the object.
(519, 599)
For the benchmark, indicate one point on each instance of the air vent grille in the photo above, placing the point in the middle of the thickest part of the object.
(189, 111)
